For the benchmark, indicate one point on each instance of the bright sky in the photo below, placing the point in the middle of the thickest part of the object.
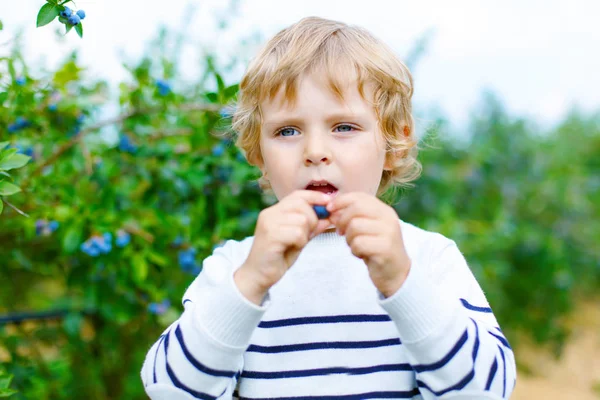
(539, 57)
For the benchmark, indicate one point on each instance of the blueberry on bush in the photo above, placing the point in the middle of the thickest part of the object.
(74, 19)
(187, 261)
(20, 81)
(45, 228)
(126, 145)
(19, 124)
(159, 308)
(81, 14)
(123, 238)
(218, 150)
(97, 245)
(163, 87)
(66, 13)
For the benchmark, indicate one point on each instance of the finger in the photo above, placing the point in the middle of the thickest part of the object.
(361, 226)
(300, 219)
(311, 196)
(342, 218)
(292, 236)
(300, 206)
(367, 246)
(321, 227)
(345, 199)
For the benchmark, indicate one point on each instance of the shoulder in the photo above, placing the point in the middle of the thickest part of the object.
(422, 243)
(234, 251)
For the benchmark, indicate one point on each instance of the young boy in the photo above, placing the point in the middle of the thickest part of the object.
(355, 305)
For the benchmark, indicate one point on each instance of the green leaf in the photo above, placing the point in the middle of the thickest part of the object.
(1, 206)
(6, 174)
(14, 161)
(7, 392)
(158, 259)
(5, 381)
(1, 26)
(7, 188)
(3, 97)
(79, 29)
(72, 239)
(3, 145)
(69, 27)
(140, 268)
(47, 14)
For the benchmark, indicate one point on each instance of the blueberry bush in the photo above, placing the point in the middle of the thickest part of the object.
(107, 220)
(57, 9)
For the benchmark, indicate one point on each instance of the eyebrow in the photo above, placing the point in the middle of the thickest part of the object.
(295, 120)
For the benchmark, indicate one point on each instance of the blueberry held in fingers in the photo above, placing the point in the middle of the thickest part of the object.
(321, 211)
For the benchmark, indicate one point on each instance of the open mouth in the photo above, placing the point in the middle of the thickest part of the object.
(322, 186)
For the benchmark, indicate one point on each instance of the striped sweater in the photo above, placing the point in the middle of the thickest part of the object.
(324, 331)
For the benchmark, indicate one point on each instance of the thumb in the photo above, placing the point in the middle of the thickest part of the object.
(322, 226)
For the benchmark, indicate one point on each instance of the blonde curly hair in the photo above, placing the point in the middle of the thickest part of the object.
(317, 44)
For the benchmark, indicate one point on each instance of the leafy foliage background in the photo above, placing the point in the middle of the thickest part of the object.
(110, 230)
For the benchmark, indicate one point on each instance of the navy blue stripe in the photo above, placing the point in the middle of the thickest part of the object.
(162, 337)
(475, 308)
(199, 366)
(468, 378)
(501, 339)
(492, 374)
(322, 345)
(463, 382)
(360, 396)
(504, 372)
(330, 319)
(177, 382)
(186, 300)
(325, 371)
(439, 364)
(476, 345)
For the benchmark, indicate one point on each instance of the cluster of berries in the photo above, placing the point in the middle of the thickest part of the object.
(97, 245)
(45, 228)
(67, 16)
(20, 123)
(187, 261)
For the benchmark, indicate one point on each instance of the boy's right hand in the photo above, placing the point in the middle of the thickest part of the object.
(281, 233)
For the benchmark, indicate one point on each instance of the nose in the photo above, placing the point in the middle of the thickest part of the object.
(316, 151)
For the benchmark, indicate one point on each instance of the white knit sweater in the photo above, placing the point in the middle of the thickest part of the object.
(325, 332)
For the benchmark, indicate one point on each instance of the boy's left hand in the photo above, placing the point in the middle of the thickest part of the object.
(373, 233)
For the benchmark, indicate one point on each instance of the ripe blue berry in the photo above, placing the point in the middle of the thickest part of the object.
(20, 81)
(53, 225)
(81, 14)
(123, 238)
(218, 150)
(66, 13)
(74, 20)
(163, 87)
(321, 211)
(159, 308)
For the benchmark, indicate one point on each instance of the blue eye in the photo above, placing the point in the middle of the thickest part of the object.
(284, 130)
(345, 128)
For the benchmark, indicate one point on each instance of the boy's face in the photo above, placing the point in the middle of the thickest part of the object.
(321, 138)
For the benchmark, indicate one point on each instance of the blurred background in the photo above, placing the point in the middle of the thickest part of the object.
(118, 173)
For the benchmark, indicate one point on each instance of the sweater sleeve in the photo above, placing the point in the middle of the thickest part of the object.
(451, 335)
(200, 356)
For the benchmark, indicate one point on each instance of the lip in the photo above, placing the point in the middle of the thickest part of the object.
(320, 182)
